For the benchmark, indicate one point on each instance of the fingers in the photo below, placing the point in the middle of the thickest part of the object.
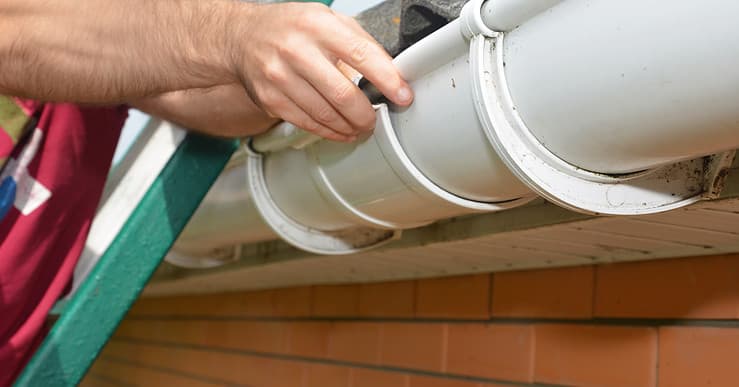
(308, 99)
(349, 72)
(340, 92)
(360, 51)
(282, 91)
(292, 113)
(299, 73)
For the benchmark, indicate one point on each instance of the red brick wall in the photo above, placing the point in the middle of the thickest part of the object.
(669, 323)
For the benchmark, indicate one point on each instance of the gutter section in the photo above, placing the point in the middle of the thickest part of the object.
(597, 106)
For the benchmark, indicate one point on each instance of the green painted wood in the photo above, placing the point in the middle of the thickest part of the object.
(325, 2)
(99, 305)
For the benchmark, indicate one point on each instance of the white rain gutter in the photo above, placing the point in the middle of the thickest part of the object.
(604, 107)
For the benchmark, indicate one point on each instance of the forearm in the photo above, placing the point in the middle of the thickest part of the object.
(108, 51)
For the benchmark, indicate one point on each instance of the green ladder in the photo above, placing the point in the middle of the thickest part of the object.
(93, 313)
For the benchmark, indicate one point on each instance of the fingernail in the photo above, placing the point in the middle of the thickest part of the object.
(404, 94)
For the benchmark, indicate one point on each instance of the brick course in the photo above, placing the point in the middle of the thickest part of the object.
(667, 323)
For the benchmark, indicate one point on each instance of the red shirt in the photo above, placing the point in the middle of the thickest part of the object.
(61, 168)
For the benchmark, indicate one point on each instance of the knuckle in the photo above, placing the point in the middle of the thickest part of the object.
(311, 16)
(271, 114)
(306, 25)
(328, 18)
(366, 120)
(345, 18)
(343, 93)
(274, 72)
(326, 114)
(360, 50)
(309, 125)
(270, 101)
(293, 52)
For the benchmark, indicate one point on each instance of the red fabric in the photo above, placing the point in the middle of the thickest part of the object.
(6, 143)
(38, 251)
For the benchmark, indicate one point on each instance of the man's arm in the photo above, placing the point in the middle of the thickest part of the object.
(109, 51)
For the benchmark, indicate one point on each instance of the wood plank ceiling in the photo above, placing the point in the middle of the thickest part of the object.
(534, 236)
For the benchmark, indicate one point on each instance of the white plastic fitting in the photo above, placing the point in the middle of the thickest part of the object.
(505, 15)
(471, 21)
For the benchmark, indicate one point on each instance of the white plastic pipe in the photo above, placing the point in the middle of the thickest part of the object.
(607, 86)
(432, 52)
(505, 15)
(442, 119)
(444, 136)
(226, 217)
(281, 136)
(621, 86)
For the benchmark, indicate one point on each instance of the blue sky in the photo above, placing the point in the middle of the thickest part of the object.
(352, 7)
(137, 120)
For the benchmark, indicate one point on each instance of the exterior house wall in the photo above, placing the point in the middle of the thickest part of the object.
(667, 323)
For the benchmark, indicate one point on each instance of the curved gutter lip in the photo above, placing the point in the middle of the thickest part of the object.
(402, 164)
(666, 188)
(304, 237)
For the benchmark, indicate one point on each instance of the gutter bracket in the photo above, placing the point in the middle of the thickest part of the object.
(471, 21)
(316, 241)
(716, 170)
(645, 192)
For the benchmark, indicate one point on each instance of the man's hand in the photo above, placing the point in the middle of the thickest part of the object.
(224, 111)
(289, 58)
(112, 51)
